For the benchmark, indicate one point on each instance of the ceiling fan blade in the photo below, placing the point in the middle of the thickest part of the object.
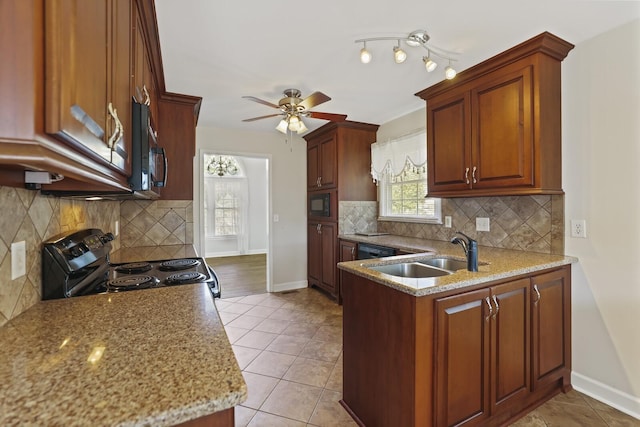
(316, 98)
(261, 101)
(327, 116)
(261, 117)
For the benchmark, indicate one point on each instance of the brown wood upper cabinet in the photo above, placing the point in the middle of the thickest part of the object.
(495, 129)
(321, 163)
(87, 72)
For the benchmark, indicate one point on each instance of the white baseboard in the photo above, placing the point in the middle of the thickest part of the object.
(615, 398)
(289, 286)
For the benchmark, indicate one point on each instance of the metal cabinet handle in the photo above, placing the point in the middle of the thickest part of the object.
(319, 181)
(495, 301)
(147, 98)
(473, 174)
(466, 175)
(353, 251)
(538, 296)
(488, 301)
(116, 132)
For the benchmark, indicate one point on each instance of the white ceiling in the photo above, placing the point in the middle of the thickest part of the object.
(224, 50)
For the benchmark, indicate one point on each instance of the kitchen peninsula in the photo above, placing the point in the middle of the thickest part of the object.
(148, 357)
(460, 349)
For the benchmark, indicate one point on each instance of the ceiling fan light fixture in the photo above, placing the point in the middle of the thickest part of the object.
(302, 128)
(282, 126)
(365, 55)
(399, 55)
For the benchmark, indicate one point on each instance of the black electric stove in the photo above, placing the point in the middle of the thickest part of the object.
(78, 264)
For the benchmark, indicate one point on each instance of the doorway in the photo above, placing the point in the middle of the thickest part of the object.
(234, 217)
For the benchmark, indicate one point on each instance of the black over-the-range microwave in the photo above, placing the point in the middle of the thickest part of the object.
(319, 204)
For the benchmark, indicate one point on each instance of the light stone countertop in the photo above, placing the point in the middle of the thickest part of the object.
(153, 357)
(493, 264)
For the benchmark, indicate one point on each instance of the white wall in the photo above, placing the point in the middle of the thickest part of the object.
(601, 174)
(287, 261)
(256, 170)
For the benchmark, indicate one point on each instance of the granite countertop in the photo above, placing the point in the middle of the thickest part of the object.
(152, 357)
(494, 264)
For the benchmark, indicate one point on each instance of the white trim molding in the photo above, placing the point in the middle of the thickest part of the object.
(620, 400)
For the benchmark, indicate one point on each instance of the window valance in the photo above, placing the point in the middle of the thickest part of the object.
(391, 157)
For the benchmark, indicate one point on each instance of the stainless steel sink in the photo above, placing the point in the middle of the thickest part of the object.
(446, 263)
(411, 269)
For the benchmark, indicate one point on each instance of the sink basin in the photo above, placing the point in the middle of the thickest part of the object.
(411, 269)
(446, 263)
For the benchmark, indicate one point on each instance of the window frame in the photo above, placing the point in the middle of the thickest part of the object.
(384, 201)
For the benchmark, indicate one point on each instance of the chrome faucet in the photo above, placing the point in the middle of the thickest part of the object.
(470, 247)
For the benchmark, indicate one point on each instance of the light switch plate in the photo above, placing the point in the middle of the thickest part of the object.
(18, 259)
(482, 224)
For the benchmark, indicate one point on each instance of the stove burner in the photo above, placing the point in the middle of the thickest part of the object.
(134, 268)
(130, 283)
(179, 264)
(185, 278)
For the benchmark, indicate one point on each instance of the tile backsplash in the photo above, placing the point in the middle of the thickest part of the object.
(30, 217)
(532, 223)
(156, 223)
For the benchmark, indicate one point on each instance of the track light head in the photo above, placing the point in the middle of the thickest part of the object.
(449, 72)
(399, 55)
(429, 63)
(365, 55)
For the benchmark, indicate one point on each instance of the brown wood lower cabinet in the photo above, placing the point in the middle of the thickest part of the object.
(480, 357)
(322, 243)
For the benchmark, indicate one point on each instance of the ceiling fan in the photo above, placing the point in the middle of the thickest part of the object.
(293, 109)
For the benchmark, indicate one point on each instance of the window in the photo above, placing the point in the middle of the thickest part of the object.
(401, 197)
(399, 169)
(225, 210)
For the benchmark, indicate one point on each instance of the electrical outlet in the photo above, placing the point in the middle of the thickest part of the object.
(482, 224)
(579, 228)
(18, 260)
(447, 221)
(276, 217)
(117, 228)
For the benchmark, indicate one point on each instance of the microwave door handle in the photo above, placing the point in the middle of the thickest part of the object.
(162, 183)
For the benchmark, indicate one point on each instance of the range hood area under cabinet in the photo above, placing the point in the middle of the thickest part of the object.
(67, 91)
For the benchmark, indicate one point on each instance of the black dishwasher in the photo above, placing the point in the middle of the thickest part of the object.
(368, 251)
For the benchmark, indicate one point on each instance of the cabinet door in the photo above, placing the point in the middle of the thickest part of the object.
(328, 162)
(313, 160)
(551, 317)
(120, 78)
(462, 358)
(314, 254)
(76, 37)
(510, 337)
(502, 123)
(448, 143)
(329, 237)
(348, 250)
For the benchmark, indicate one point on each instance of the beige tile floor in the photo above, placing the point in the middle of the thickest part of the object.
(289, 347)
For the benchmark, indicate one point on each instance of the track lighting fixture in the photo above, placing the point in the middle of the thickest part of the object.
(449, 72)
(414, 39)
(365, 56)
(399, 55)
(429, 63)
